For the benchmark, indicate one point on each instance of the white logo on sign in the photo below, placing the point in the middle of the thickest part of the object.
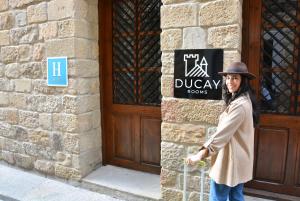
(197, 70)
(56, 69)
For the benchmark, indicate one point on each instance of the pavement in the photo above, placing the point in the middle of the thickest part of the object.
(19, 185)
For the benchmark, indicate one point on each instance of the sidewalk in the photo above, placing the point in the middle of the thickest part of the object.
(16, 185)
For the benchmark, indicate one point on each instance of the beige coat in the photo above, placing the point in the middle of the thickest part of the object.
(232, 146)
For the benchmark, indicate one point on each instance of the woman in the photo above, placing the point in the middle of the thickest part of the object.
(232, 146)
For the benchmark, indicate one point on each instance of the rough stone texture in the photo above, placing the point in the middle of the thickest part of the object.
(43, 166)
(168, 178)
(172, 155)
(184, 110)
(228, 12)
(167, 86)
(66, 172)
(225, 37)
(4, 38)
(65, 122)
(25, 53)
(3, 5)
(9, 54)
(8, 157)
(28, 34)
(4, 99)
(37, 13)
(21, 3)
(167, 60)
(171, 194)
(24, 161)
(7, 20)
(29, 119)
(45, 121)
(183, 133)
(180, 15)
(171, 39)
(194, 38)
(48, 31)
(231, 56)
(21, 18)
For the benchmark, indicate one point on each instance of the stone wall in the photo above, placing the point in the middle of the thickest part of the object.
(55, 130)
(189, 24)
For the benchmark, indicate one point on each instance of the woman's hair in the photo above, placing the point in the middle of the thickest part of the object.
(244, 88)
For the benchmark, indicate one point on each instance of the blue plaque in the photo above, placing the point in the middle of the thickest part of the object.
(57, 71)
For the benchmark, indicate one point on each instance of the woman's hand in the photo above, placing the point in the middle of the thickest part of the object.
(192, 160)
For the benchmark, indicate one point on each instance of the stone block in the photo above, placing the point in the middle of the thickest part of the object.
(2, 70)
(60, 47)
(231, 56)
(183, 110)
(171, 194)
(4, 37)
(13, 71)
(40, 86)
(167, 60)
(13, 146)
(7, 20)
(180, 15)
(6, 85)
(67, 172)
(24, 35)
(48, 31)
(56, 141)
(58, 9)
(9, 54)
(167, 86)
(9, 115)
(87, 161)
(92, 14)
(85, 121)
(80, 9)
(39, 137)
(25, 53)
(37, 13)
(3, 5)
(65, 123)
(194, 38)
(18, 100)
(31, 149)
(8, 157)
(38, 52)
(172, 156)
(21, 133)
(228, 12)
(46, 167)
(71, 143)
(21, 3)
(87, 85)
(21, 18)
(23, 85)
(183, 133)
(90, 141)
(4, 99)
(6, 130)
(45, 121)
(29, 119)
(32, 70)
(168, 178)
(84, 68)
(165, 2)
(97, 118)
(225, 37)
(24, 161)
(42, 103)
(171, 39)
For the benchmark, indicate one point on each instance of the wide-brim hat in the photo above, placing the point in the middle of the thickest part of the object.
(238, 68)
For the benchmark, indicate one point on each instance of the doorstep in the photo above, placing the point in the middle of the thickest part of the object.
(124, 183)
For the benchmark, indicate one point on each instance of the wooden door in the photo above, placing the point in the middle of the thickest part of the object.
(131, 71)
(271, 32)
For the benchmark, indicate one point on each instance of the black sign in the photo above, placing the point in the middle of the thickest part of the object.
(196, 74)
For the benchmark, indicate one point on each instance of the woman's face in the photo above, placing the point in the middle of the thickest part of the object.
(233, 82)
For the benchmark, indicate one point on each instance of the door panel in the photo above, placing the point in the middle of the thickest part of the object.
(271, 33)
(130, 78)
(150, 143)
(272, 149)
